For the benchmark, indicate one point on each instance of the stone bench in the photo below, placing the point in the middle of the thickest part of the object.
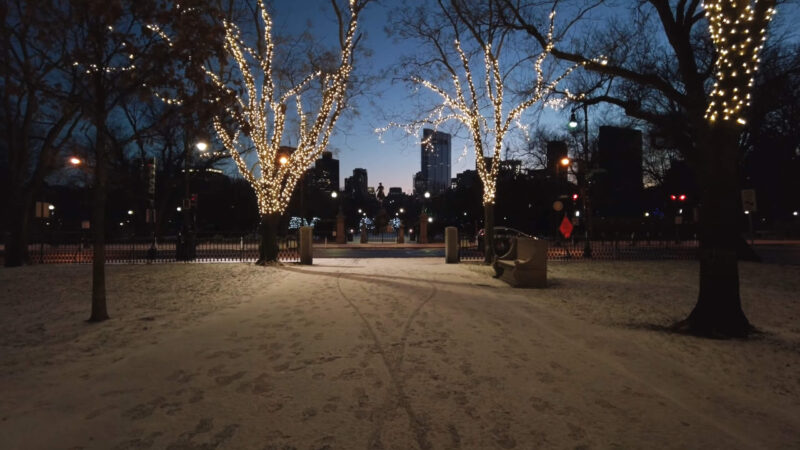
(525, 263)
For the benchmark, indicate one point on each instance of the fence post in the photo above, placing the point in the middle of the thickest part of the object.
(306, 246)
(451, 245)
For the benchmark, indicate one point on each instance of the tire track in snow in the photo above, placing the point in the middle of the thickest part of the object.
(393, 368)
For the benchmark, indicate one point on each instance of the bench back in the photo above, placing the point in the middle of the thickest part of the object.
(528, 248)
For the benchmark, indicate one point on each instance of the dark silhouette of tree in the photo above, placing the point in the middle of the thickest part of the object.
(39, 112)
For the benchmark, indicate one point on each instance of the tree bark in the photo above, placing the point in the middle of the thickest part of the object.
(98, 224)
(718, 311)
(16, 251)
(488, 236)
(99, 310)
(268, 246)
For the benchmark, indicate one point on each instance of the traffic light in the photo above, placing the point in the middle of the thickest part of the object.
(574, 197)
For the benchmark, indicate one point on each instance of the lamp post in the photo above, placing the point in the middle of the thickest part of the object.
(582, 177)
(186, 248)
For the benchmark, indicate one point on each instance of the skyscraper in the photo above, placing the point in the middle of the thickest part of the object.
(435, 159)
(356, 186)
(618, 190)
(326, 172)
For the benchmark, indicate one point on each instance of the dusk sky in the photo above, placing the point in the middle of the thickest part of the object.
(393, 161)
(394, 158)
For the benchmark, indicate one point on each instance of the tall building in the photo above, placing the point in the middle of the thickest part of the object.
(556, 151)
(435, 159)
(356, 185)
(326, 172)
(618, 190)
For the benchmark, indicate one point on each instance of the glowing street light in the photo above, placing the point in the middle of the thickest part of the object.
(565, 162)
(334, 194)
(430, 219)
(130, 212)
(201, 145)
(51, 207)
(427, 194)
(573, 121)
(75, 161)
(283, 160)
(178, 209)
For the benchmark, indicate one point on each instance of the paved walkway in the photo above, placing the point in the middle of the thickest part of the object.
(375, 354)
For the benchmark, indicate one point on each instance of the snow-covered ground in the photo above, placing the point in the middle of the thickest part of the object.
(392, 353)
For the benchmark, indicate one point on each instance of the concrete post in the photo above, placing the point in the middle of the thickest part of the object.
(306, 247)
(401, 236)
(341, 237)
(364, 236)
(422, 237)
(451, 245)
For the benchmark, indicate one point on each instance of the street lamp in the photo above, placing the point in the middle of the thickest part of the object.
(334, 194)
(573, 122)
(75, 161)
(201, 145)
(582, 168)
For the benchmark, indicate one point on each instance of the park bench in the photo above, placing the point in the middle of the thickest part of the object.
(525, 263)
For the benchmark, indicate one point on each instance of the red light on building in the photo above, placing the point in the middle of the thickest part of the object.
(574, 196)
(673, 197)
(683, 197)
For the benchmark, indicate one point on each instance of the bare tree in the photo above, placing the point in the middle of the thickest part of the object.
(669, 84)
(39, 111)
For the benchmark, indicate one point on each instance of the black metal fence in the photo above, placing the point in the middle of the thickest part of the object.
(601, 250)
(76, 249)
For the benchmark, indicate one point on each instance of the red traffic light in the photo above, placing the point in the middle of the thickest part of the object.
(673, 197)
(683, 197)
(574, 196)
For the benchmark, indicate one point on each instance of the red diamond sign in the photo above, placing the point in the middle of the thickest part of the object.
(566, 227)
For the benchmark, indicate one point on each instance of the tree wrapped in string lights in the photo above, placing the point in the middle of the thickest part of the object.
(699, 94)
(258, 117)
(480, 103)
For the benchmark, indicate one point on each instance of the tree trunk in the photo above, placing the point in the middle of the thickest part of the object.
(488, 236)
(718, 311)
(268, 231)
(16, 251)
(98, 224)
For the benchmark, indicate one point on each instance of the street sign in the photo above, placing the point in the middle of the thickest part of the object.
(749, 200)
(151, 178)
(566, 227)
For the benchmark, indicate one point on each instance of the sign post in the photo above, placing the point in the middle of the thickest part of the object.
(749, 207)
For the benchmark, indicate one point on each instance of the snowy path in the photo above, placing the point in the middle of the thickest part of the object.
(387, 354)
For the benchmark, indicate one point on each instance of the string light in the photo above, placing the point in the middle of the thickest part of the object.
(261, 111)
(463, 104)
(738, 30)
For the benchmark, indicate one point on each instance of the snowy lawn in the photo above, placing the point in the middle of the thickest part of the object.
(392, 353)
